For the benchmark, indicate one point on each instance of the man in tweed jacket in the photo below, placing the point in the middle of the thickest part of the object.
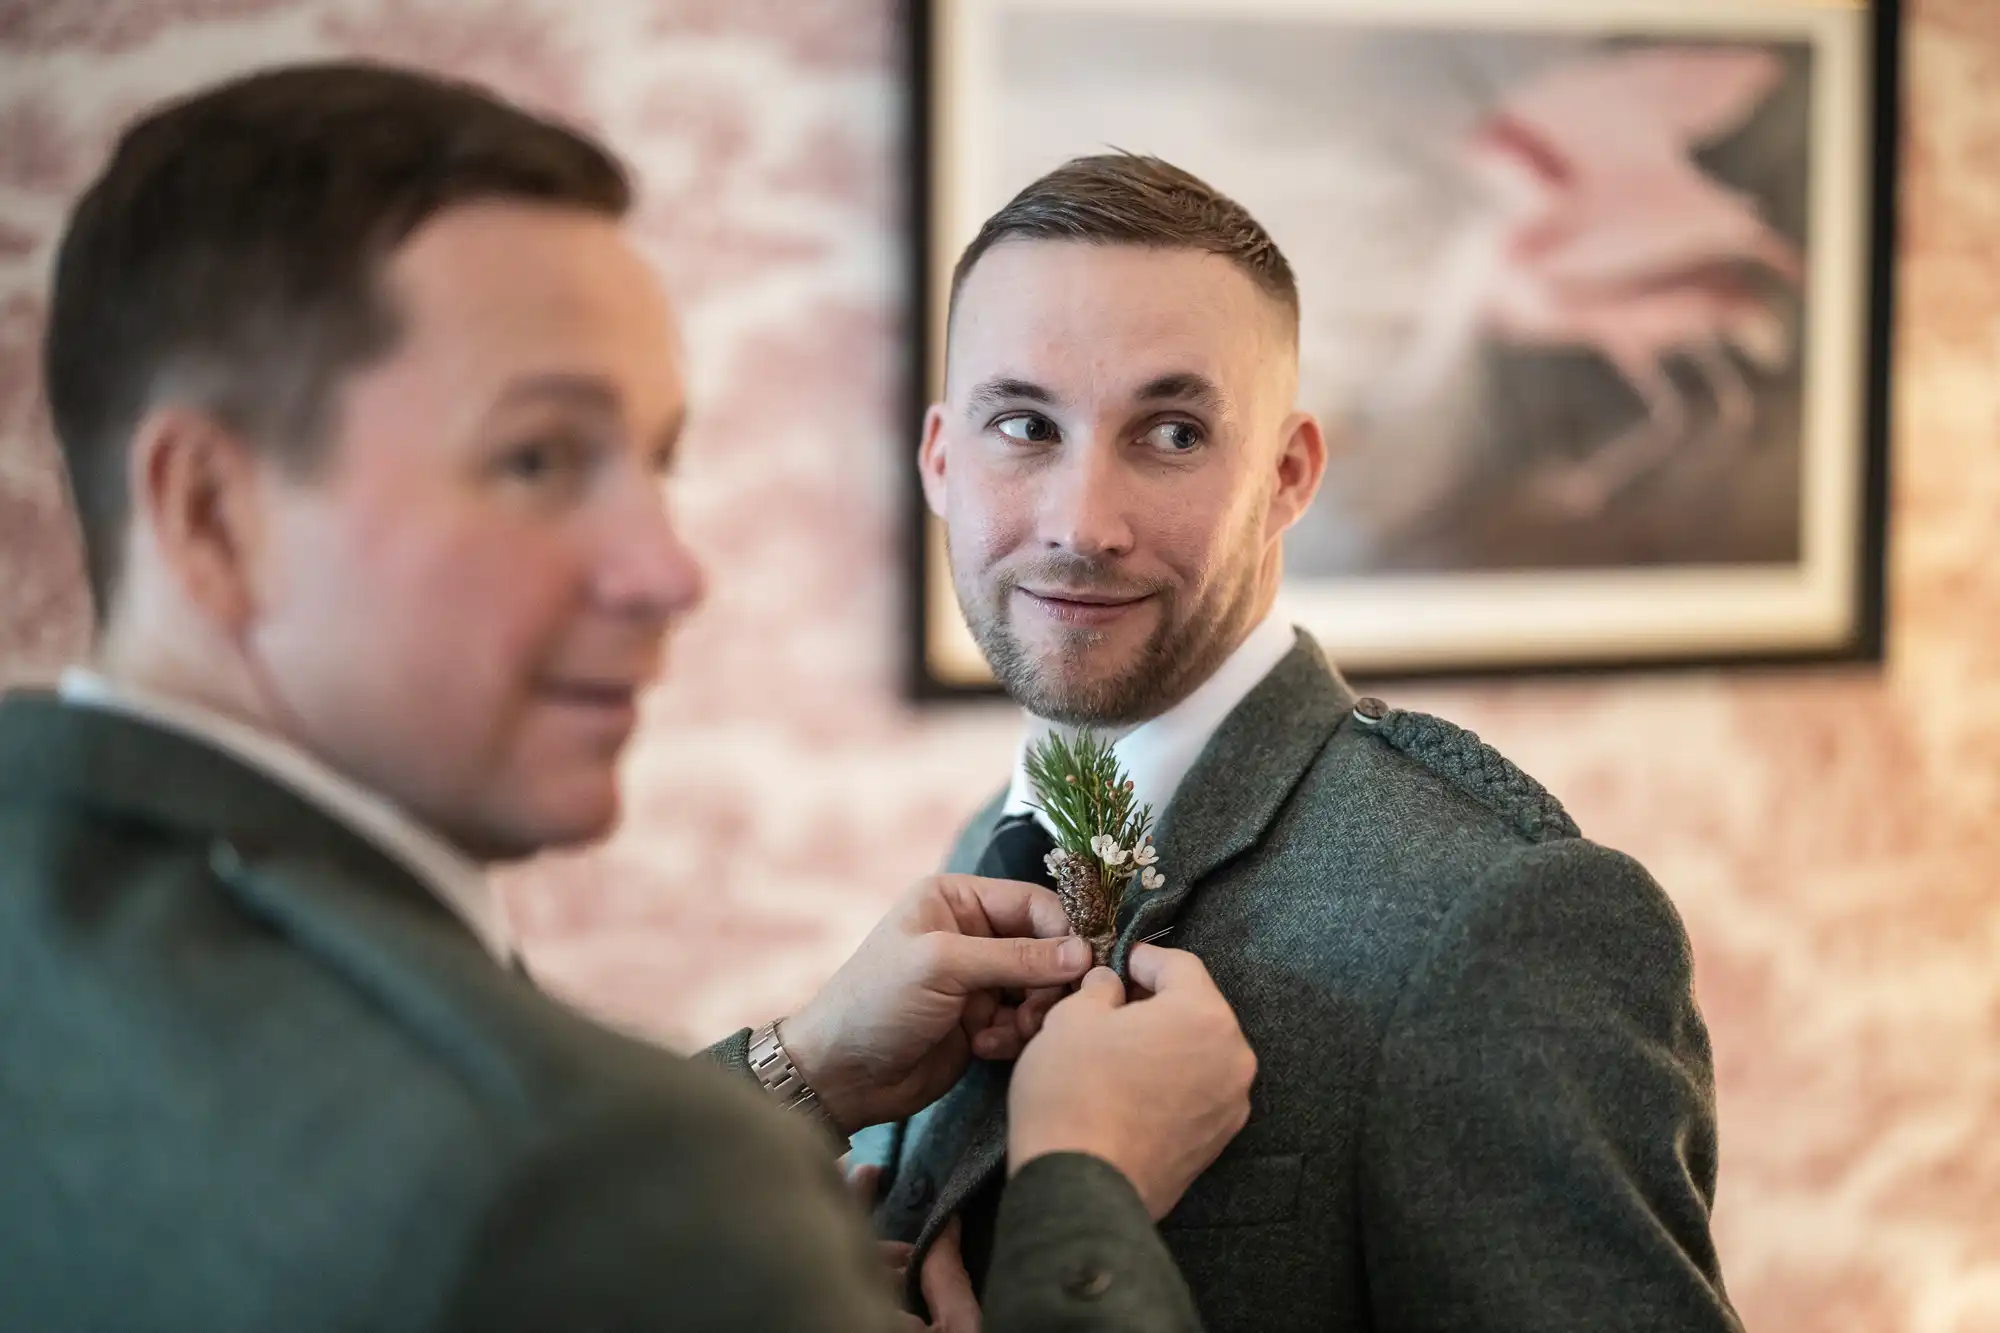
(1485, 1097)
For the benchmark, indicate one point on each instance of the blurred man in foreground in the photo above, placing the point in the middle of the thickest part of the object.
(365, 400)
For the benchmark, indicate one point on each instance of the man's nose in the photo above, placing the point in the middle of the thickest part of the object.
(646, 569)
(1087, 506)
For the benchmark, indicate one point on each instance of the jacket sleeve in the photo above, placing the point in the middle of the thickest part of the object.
(1075, 1251)
(732, 1052)
(728, 1217)
(1539, 1149)
(653, 1218)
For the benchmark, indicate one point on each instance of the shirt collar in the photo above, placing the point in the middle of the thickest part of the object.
(1157, 754)
(457, 881)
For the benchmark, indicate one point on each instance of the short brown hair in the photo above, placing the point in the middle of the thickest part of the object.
(1131, 199)
(229, 255)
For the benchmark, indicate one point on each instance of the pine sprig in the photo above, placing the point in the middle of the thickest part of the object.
(1093, 810)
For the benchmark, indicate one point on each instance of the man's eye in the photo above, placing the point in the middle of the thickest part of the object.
(1030, 429)
(541, 460)
(1175, 437)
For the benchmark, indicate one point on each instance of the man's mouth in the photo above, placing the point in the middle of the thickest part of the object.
(1082, 607)
(614, 701)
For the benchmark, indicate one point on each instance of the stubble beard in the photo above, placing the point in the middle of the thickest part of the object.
(1182, 651)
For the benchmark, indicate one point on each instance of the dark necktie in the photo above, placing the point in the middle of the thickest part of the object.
(1019, 850)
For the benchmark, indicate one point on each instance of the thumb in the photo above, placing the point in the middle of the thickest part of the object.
(974, 962)
(1101, 988)
(864, 1182)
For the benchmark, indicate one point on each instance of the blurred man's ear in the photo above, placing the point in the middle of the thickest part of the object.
(931, 460)
(197, 508)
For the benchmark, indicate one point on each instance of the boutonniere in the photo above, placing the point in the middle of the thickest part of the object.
(1104, 845)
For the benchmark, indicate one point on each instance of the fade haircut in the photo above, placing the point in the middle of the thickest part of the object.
(1130, 199)
(230, 255)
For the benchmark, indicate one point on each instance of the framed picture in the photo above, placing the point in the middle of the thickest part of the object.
(1595, 300)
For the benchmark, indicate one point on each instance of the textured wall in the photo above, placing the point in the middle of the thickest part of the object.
(1833, 839)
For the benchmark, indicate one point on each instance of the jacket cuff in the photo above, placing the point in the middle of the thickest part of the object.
(1075, 1249)
(733, 1053)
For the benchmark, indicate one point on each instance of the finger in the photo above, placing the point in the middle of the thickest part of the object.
(1004, 907)
(981, 1008)
(1160, 969)
(862, 1182)
(1006, 1034)
(968, 963)
(896, 1256)
(1101, 989)
(1002, 1041)
(947, 1287)
(1033, 1011)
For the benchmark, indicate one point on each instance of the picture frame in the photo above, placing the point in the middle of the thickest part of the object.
(1658, 466)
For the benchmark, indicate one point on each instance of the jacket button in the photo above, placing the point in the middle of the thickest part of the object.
(922, 1190)
(1088, 1283)
(224, 859)
(1370, 711)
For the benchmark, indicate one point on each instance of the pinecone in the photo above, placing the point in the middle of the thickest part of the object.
(1084, 900)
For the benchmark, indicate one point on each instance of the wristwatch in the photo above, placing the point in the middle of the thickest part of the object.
(781, 1078)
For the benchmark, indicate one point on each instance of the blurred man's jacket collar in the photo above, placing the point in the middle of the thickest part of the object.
(460, 883)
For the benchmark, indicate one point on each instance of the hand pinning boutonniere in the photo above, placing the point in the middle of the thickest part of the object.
(1103, 844)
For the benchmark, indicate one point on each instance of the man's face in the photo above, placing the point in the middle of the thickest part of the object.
(460, 606)
(1116, 459)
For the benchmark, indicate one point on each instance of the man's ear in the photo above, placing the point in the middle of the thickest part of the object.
(1301, 467)
(197, 495)
(931, 460)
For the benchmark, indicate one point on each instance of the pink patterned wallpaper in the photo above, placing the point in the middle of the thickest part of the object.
(1833, 839)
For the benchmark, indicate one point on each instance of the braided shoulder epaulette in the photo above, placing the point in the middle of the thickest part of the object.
(1471, 765)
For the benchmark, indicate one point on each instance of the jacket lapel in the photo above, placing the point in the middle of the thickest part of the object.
(968, 1130)
(978, 831)
(1236, 788)
(982, 1140)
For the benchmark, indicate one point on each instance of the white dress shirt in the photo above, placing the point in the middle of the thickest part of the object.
(1157, 754)
(458, 881)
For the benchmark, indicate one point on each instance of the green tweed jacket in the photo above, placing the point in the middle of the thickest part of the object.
(1484, 1097)
(253, 1076)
